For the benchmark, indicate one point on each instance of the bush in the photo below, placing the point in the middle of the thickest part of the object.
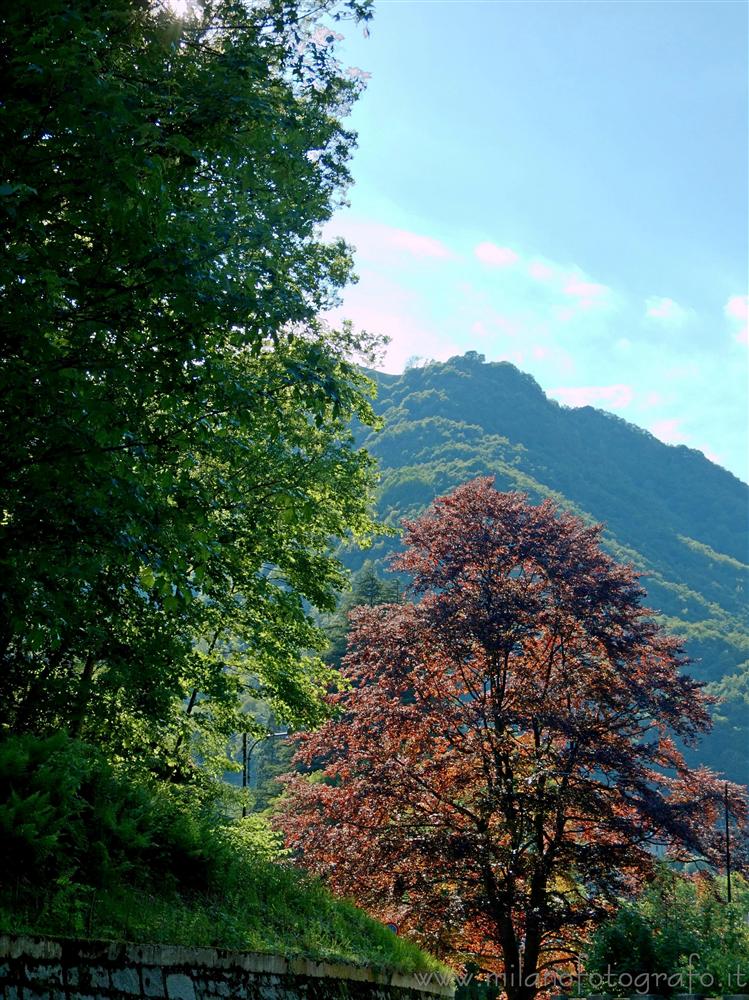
(94, 849)
(678, 927)
(68, 815)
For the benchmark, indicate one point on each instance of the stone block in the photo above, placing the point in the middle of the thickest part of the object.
(215, 987)
(44, 975)
(126, 981)
(207, 987)
(237, 984)
(12, 946)
(271, 992)
(153, 982)
(99, 977)
(179, 987)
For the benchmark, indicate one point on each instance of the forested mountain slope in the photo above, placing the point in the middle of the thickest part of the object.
(681, 519)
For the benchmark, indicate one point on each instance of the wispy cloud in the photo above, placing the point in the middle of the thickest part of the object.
(619, 396)
(652, 399)
(558, 359)
(494, 256)
(584, 289)
(585, 294)
(379, 305)
(669, 431)
(417, 245)
(540, 271)
(666, 311)
(440, 293)
(737, 311)
(578, 292)
(376, 241)
(494, 324)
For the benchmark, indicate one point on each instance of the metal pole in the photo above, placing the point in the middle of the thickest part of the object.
(247, 754)
(728, 842)
(244, 774)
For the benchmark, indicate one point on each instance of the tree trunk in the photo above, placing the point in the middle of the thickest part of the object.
(84, 696)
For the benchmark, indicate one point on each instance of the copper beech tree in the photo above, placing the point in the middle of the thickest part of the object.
(503, 763)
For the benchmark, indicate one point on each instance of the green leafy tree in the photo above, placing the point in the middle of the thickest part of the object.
(174, 421)
(367, 588)
(681, 935)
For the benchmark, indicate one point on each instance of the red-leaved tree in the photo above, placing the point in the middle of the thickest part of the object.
(503, 765)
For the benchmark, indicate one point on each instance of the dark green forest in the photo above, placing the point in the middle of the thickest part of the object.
(677, 516)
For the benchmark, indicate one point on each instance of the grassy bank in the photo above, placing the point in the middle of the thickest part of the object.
(277, 910)
(95, 849)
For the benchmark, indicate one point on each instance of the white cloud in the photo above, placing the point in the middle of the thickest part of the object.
(666, 311)
(379, 305)
(540, 271)
(669, 431)
(585, 294)
(494, 256)
(375, 241)
(618, 396)
(737, 311)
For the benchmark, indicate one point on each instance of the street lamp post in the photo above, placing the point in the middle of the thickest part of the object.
(728, 843)
(246, 756)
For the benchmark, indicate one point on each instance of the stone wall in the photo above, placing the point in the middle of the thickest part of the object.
(35, 968)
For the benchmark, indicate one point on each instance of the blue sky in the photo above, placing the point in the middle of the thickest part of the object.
(562, 185)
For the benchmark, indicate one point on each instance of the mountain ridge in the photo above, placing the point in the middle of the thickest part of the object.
(679, 517)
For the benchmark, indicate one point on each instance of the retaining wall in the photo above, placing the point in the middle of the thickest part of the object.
(35, 968)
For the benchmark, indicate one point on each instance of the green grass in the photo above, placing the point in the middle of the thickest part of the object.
(92, 849)
(275, 909)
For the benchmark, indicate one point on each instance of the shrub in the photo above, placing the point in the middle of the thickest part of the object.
(678, 927)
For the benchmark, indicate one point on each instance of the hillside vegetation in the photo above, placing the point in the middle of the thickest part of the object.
(96, 848)
(681, 519)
